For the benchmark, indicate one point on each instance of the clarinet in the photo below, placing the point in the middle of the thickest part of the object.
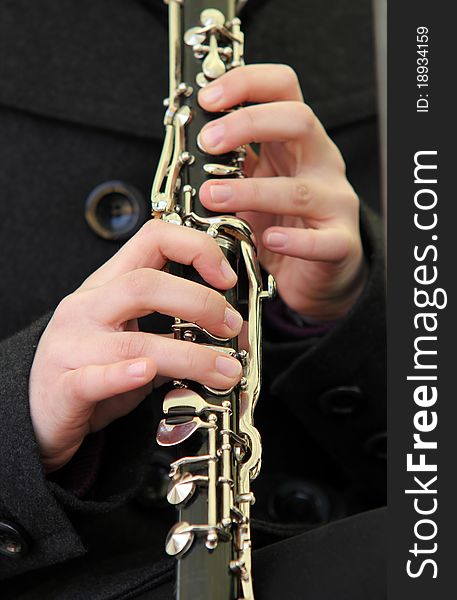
(219, 449)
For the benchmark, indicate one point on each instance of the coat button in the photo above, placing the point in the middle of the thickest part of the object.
(12, 540)
(115, 210)
(341, 401)
(300, 501)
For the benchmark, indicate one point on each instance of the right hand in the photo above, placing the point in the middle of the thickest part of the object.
(93, 365)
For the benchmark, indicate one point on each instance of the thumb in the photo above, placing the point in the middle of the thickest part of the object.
(61, 432)
(93, 383)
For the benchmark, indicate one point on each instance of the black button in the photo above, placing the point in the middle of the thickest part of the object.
(341, 401)
(300, 502)
(376, 446)
(115, 210)
(12, 540)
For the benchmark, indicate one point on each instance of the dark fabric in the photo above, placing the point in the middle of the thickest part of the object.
(104, 63)
(80, 473)
(352, 354)
(314, 566)
(81, 84)
(311, 566)
(284, 324)
(25, 498)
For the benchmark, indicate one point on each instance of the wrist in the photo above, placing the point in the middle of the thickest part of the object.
(334, 306)
(283, 324)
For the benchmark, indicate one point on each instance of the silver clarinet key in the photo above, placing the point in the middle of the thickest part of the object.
(171, 433)
(182, 487)
(179, 539)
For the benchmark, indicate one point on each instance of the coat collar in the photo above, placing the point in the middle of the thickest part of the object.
(103, 63)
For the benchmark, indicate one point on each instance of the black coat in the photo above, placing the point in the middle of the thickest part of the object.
(81, 84)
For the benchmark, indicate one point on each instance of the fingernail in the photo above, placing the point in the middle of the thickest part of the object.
(233, 319)
(277, 240)
(228, 366)
(137, 369)
(220, 192)
(212, 93)
(211, 136)
(227, 271)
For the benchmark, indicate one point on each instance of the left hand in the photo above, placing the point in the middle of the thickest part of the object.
(303, 210)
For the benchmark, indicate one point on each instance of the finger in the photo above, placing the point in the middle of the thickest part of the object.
(251, 162)
(326, 245)
(275, 122)
(175, 359)
(310, 196)
(119, 406)
(158, 242)
(252, 83)
(144, 291)
(185, 360)
(243, 338)
(93, 383)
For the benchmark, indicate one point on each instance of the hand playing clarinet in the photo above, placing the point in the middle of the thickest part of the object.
(93, 365)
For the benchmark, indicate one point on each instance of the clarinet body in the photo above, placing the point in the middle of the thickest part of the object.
(219, 448)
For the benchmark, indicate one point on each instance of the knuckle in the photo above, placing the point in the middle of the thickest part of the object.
(146, 231)
(205, 303)
(135, 283)
(207, 247)
(50, 351)
(348, 197)
(151, 230)
(290, 76)
(335, 157)
(344, 245)
(340, 162)
(192, 360)
(65, 311)
(305, 117)
(250, 122)
(106, 377)
(130, 345)
(312, 244)
(152, 225)
(352, 200)
(255, 192)
(301, 193)
(79, 383)
(208, 243)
